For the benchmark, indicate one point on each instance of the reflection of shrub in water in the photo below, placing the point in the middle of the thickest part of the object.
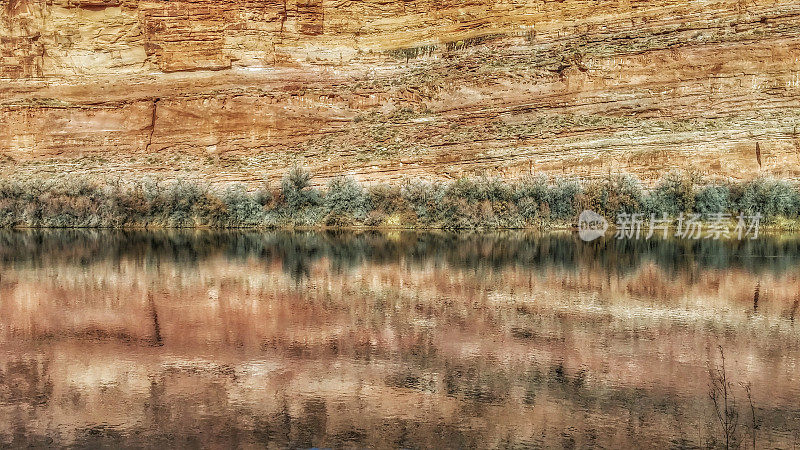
(25, 381)
(345, 249)
(473, 384)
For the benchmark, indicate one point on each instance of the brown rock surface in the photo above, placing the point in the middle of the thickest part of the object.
(239, 89)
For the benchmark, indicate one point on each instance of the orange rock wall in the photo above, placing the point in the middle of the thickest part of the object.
(240, 90)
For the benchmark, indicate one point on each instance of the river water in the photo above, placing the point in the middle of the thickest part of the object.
(396, 339)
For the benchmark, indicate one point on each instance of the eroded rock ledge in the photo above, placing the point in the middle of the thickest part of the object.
(236, 90)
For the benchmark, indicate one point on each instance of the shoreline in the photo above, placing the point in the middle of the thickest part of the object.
(527, 203)
(767, 228)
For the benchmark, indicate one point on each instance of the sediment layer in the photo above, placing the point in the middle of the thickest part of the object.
(238, 90)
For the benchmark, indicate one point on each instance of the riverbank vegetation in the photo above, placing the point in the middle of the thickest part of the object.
(467, 203)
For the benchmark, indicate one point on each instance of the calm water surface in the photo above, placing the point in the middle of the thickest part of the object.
(393, 340)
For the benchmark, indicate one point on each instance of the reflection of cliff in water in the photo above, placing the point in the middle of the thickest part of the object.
(400, 340)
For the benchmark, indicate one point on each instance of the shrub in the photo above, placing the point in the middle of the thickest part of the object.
(297, 191)
(465, 203)
(496, 190)
(712, 199)
(614, 194)
(562, 199)
(387, 199)
(264, 195)
(425, 198)
(346, 198)
(65, 202)
(133, 207)
(179, 203)
(242, 208)
(529, 195)
(467, 189)
(673, 195)
(478, 203)
(767, 196)
(375, 218)
(477, 190)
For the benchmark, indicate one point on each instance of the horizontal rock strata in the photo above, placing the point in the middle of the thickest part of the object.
(239, 90)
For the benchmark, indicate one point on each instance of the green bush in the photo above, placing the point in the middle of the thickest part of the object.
(673, 195)
(61, 202)
(344, 200)
(712, 199)
(614, 195)
(180, 203)
(264, 195)
(562, 199)
(530, 194)
(243, 209)
(495, 190)
(468, 189)
(297, 191)
(465, 203)
(481, 189)
(387, 199)
(479, 203)
(425, 199)
(768, 197)
(536, 198)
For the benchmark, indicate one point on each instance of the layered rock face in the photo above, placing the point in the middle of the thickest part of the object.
(239, 90)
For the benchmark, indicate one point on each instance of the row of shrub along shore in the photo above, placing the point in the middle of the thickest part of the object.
(467, 203)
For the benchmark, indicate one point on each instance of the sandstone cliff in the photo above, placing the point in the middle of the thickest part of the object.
(239, 89)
